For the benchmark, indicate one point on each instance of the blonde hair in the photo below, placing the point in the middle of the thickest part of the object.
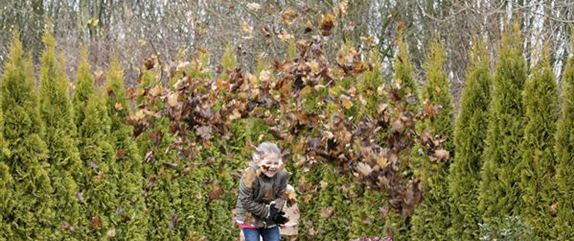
(265, 149)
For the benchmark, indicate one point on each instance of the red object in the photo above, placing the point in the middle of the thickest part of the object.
(242, 225)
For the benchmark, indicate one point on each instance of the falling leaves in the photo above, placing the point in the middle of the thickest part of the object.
(327, 24)
(285, 36)
(364, 130)
(364, 169)
(247, 28)
(216, 192)
(96, 223)
(204, 132)
(440, 155)
(254, 6)
(111, 232)
(151, 182)
(65, 226)
(289, 16)
(327, 212)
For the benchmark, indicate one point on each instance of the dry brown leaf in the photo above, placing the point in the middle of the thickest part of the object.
(118, 106)
(247, 28)
(172, 99)
(65, 226)
(111, 232)
(249, 177)
(327, 24)
(382, 161)
(215, 193)
(285, 36)
(327, 212)
(289, 16)
(440, 155)
(254, 6)
(151, 182)
(120, 154)
(364, 168)
(96, 222)
(554, 207)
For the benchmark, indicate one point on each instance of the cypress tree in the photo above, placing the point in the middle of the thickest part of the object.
(130, 181)
(6, 201)
(404, 73)
(219, 205)
(395, 225)
(95, 148)
(499, 191)
(63, 156)
(333, 221)
(193, 203)
(84, 87)
(100, 193)
(31, 215)
(537, 168)
(161, 185)
(366, 203)
(564, 146)
(432, 217)
(6, 189)
(469, 135)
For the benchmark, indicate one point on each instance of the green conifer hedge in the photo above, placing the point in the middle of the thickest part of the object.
(469, 135)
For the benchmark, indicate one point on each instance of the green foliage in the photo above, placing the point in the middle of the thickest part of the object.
(63, 156)
(29, 214)
(194, 213)
(538, 163)
(228, 60)
(564, 144)
(161, 183)
(101, 204)
(404, 75)
(6, 201)
(128, 161)
(499, 192)
(84, 87)
(365, 211)
(432, 216)
(469, 135)
(396, 226)
(333, 206)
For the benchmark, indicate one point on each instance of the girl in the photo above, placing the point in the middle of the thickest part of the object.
(262, 193)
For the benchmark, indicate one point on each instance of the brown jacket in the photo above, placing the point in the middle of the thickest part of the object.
(256, 191)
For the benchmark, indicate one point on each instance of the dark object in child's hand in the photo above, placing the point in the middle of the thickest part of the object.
(281, 219)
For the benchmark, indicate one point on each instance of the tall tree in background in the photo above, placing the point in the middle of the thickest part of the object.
(432, 216)
(564, 144)
(31, 216)
(499, 192)
(540, 100)
(65, 165)
(133, 225)
(469, 135)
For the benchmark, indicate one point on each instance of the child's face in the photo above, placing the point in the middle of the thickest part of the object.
(270, 165)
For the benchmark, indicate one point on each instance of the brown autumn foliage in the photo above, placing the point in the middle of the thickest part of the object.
(375, 148)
